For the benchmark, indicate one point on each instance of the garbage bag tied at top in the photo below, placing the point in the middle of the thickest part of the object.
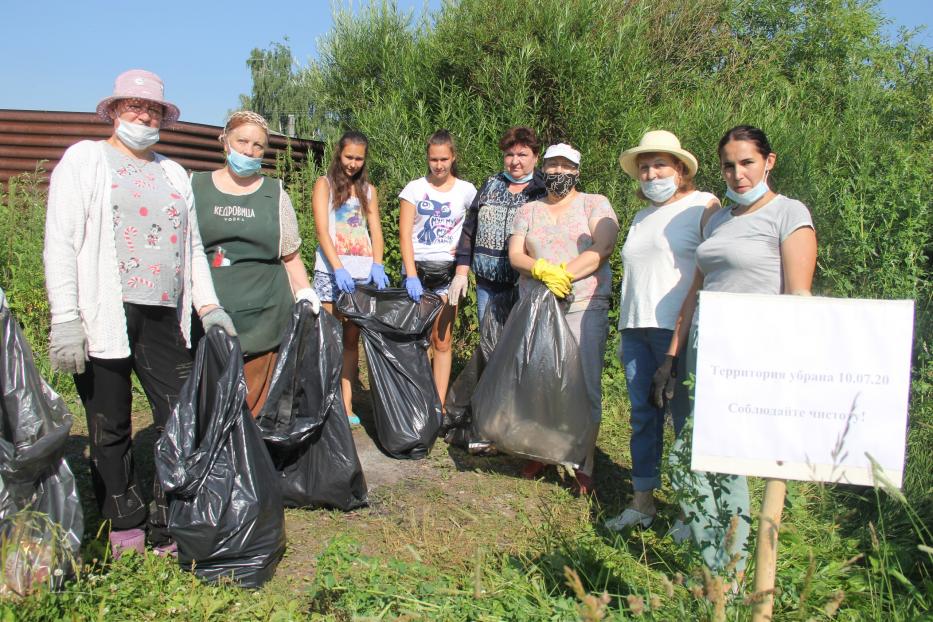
(303, 421)
(530, 400)
(406, 406)
(225, 508)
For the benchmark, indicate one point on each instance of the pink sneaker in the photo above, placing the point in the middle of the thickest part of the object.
(127, 540)
(167, 550)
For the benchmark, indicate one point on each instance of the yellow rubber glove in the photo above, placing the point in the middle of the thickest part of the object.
(556, 278)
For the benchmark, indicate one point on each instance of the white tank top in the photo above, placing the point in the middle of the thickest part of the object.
(350, 237)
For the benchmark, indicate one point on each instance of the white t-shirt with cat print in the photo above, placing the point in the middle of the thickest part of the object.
(438, 217)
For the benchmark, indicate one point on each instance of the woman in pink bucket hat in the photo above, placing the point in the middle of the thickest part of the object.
(124, 265)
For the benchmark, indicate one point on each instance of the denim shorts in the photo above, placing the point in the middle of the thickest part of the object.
(325, 285)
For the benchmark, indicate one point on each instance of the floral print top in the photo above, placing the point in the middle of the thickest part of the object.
(149, 223)
(563, 237)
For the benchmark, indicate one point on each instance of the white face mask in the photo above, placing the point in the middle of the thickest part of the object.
(750, 196)
(659, 190)
(136, 136)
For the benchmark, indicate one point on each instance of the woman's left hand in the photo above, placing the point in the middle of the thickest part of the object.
(377, 276)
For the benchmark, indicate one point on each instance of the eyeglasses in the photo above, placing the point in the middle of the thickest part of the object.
(137, 108)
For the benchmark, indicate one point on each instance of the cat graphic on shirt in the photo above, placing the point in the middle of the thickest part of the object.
(437, 226)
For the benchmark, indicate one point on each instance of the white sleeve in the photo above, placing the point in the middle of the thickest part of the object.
(71, 191)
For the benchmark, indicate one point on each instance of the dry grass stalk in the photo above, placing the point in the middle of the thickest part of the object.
(592, 607)
(832, 605)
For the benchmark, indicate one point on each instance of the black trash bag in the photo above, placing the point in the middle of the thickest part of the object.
(435, 274)
(531, 399)
(225, 508)
(457, 426)
(303, 420)
(41, 521)
(405, 402)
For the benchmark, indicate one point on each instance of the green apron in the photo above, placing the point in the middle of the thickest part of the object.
(241, 240)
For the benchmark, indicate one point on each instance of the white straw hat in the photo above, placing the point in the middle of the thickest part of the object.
(657, 141)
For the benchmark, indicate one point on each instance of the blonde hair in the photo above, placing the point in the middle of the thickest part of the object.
(242, 117)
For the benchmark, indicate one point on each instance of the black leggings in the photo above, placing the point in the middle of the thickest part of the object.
(162, 363)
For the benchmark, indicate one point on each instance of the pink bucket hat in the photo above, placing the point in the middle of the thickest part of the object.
(139, 84)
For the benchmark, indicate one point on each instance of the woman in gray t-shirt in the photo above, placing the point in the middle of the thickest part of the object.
(762, 243)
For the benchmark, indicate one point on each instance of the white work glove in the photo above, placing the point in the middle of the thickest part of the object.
(310, 295)
(458, 289)
(68, 347)
(218, 317)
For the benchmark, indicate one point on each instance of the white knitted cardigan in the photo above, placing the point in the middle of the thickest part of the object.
(81, 273)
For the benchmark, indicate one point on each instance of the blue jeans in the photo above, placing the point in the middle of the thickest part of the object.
(484, 293)
(716, 505)
(643, 350)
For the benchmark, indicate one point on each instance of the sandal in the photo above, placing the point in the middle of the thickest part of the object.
(354, 420)
(629, 518)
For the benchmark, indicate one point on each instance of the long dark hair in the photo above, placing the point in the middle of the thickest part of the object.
(444, 137)
(340, 182)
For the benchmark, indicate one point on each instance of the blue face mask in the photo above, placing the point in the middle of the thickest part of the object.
(659, 190)
(747, 198)
(241, 165)
(523, 180)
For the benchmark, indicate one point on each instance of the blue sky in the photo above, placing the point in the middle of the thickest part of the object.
(64, 54)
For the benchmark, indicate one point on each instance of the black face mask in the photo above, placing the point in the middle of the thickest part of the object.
(560, 184)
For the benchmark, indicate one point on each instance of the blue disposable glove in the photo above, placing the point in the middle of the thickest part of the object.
(377, 276)
(345, 282)
(413, 285)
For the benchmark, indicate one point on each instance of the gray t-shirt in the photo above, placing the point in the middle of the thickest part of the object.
(742, 254)
(149, 219)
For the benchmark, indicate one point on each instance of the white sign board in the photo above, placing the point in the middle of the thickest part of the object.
(802, 388)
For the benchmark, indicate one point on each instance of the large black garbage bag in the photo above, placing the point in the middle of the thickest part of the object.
(405, 401)
(458, 418)
(225, 508)
(303, 420)
(531, 399)
(41, 522)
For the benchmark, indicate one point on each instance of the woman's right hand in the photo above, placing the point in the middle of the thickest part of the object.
(68, 347)
(345, 282)
(458, 289)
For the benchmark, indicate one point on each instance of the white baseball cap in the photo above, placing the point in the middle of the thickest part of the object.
(563, 150)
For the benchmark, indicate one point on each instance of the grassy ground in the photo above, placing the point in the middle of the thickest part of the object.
(456, 537)
(459, 537)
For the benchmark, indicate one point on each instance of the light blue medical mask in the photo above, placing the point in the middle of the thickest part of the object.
(241, 165)
(659, 190)
(136, 136)
(747, 198)
(523, 180)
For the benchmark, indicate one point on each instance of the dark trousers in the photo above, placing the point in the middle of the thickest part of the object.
(162, 364)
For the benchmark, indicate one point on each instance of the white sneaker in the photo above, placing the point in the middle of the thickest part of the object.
(679, 532)
(629, 518)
